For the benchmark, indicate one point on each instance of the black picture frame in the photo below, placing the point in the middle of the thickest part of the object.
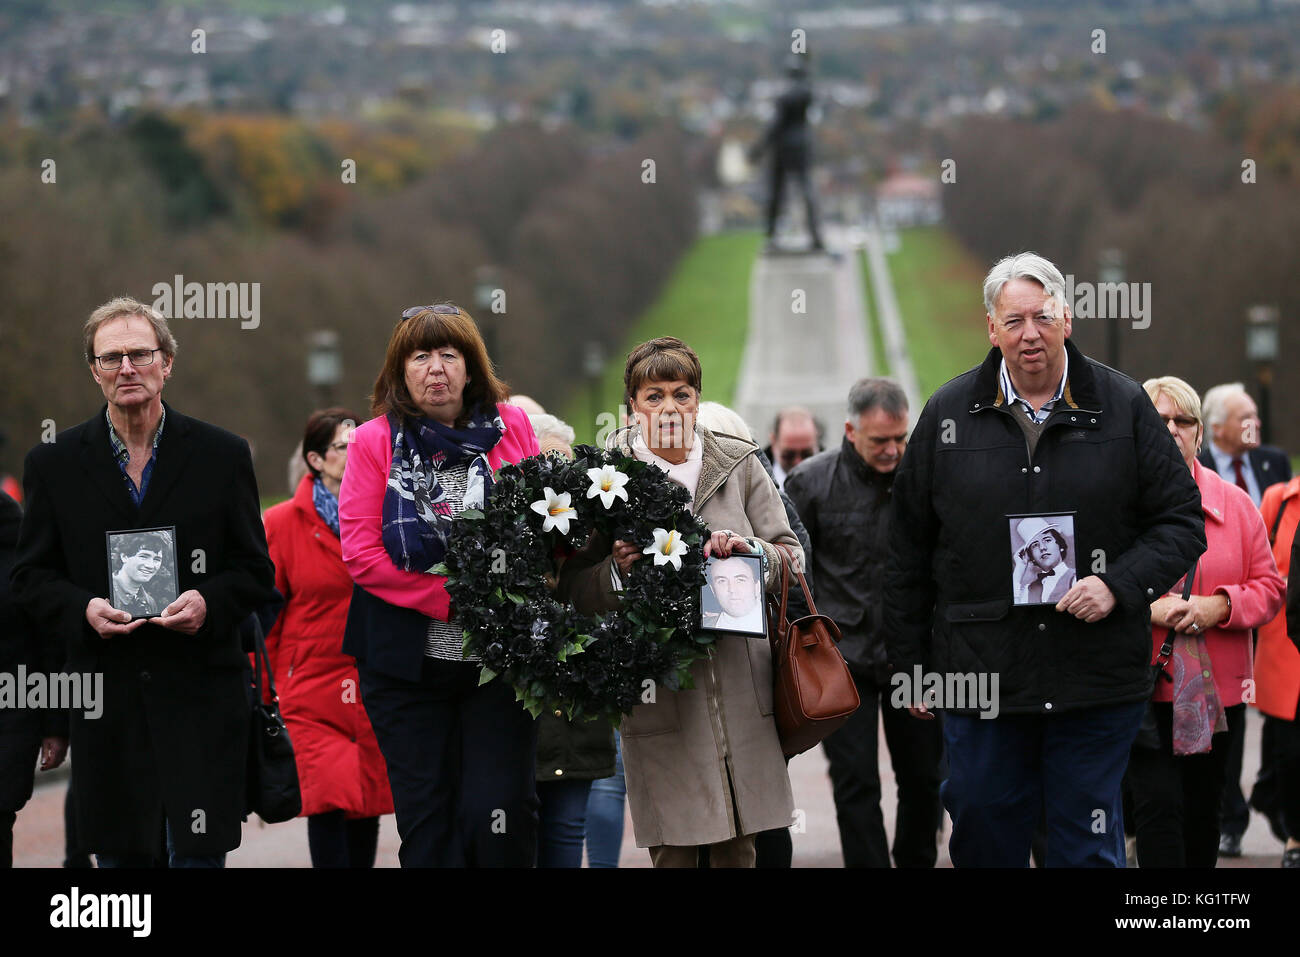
(1038, 538)
(160, 588)
(750, 617)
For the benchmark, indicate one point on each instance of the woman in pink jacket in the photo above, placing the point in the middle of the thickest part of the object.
(459, 754)
(1202, 690)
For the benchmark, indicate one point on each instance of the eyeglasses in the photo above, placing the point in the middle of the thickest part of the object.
(795, 456)
(1182, 421)
(442, 309)
(139, 357)
(337, 446)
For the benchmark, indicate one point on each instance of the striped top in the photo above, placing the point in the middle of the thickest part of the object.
(445, 639)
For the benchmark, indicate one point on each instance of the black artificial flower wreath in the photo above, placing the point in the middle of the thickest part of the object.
(500, 564)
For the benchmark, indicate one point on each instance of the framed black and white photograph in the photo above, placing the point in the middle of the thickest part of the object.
(142, 570)
(732, 598)
(1042, 557)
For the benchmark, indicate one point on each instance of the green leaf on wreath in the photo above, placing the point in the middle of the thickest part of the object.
(486, 675)
(471, 515)
(440, 569)
(516, 598)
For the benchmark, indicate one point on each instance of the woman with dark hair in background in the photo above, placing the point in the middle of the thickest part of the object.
(459, 753)
(340, 770)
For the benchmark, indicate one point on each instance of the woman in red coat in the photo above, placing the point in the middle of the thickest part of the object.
(343, 776)
(1277, 666)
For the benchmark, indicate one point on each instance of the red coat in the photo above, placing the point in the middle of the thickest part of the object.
(1277, 662)
(339, 764)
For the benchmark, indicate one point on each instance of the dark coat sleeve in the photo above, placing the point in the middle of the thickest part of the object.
(585, 578)
(910, 591)
(246, 583)
(1168, 506)
(55, 604)
(1293, 594)
(797, 606)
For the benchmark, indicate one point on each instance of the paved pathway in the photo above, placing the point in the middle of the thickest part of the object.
(887, 313)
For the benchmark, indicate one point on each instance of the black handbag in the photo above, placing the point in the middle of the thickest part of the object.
(1148, 735)
(273, 791)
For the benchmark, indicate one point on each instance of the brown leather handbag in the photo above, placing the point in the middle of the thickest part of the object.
(814, 693)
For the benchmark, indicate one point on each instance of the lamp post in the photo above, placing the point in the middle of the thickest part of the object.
(593, 364)
(1262, 349)
(1110, 269)
(324, 363)
(485, 289)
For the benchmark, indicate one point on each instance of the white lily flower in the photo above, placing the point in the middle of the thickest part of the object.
(557, 510)
(607, 482)
(668, 547)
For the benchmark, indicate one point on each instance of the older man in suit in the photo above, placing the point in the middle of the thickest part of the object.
(165, 760)
(1234, 449)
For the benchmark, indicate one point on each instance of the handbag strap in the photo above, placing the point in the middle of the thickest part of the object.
(261, 659)
(1277, 522)
(1167, 646)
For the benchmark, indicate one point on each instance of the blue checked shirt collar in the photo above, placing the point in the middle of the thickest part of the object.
(122, 455)
(1012, 398)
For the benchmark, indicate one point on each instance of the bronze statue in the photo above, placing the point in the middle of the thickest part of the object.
(790, 140)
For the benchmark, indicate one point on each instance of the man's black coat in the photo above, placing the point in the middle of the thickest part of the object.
(173, 734)
(1105, 455)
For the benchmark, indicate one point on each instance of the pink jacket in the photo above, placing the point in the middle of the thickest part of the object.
(1238, 562)
(361, 507)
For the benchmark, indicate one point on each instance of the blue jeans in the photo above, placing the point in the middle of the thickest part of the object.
(605, 814)
(1004, 772)
(173, 859)
(563, 822)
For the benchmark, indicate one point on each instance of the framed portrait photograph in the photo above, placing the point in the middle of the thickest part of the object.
(142, 576)
(732, 597)
(1042, 557)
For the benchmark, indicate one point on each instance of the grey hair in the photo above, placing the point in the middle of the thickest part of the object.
(716, 417)
(1024, 265)
(1214, 407)
(868, 394)
(547, 424)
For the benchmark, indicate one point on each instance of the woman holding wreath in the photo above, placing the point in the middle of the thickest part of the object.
(704, 765)
(459, 754)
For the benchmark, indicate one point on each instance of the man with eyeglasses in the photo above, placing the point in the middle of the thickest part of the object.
(1037, 429)
(796, 436)
(163, 765)
(843, 496)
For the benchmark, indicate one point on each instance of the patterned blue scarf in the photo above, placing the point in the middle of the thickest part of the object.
(327, 504)
(417, 517)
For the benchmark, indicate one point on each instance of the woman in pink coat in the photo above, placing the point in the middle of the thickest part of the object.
(1202, 690)
(341, 772)
(459, 753)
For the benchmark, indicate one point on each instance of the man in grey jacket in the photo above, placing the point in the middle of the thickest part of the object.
(843, 497)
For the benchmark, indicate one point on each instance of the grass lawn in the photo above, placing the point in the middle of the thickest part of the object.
(706, 304)
(938, 287)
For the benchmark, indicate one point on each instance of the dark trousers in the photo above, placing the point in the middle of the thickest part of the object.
(335, 841)
(460, 763)
(1286, 759)
(1176, 799)
(915, 749)
(563, 824)
(1004, 772)
(1234, 811)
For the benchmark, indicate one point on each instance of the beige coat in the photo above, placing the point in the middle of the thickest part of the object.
(697, 760)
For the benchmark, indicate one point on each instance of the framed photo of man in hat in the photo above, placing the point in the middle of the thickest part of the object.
(142, 570)
(1042, 557)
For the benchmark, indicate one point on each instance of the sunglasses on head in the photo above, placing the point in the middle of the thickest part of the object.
(442, 309)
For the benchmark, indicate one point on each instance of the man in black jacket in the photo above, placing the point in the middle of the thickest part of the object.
(1037, 430)
(843, 497)
(169, 751)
